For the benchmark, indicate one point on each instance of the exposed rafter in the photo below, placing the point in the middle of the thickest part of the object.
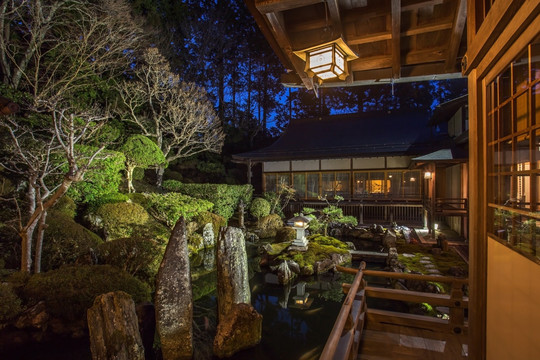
(457, 32)
(396, 38)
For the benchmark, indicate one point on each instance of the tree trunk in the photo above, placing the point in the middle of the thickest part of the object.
(39, 242)
(129, 178)
(26, 247)
(159, 176)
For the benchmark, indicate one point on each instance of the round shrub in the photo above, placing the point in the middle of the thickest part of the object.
(139, 257)
(66, 241)
(168, 207)
(71, 290)
(108, 199)
(66, 206)
(10, 304)
(259, 208)
(119, 218)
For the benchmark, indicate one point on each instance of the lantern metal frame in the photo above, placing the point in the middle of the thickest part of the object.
(327, 61)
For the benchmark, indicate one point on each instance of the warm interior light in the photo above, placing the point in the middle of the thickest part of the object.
(299, 224)
(427, 175)
(413, 179)
(327, 61)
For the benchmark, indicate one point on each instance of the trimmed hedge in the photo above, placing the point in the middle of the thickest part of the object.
(120, 219)
(66, 241)
(71, 290)
(168, 208)
(224, 197)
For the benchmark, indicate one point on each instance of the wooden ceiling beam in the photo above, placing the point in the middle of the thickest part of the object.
(410, 5)
(396, 38)
(428, 28)
(460, 19)
(425, 56)
(370, 63)
(270, 6)
(276, 22)
(335, 16)
(369, 38)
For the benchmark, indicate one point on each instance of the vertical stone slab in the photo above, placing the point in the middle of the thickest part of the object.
(239, 324)
(174, 306)
(232, 271)
(114, 329)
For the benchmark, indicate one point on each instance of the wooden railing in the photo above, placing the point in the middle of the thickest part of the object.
(347, 331)
(372, 212)
(340, 345)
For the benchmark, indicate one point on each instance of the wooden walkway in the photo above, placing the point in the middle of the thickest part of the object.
(384, 342)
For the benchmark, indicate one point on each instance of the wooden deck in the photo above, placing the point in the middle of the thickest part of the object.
(380, 342)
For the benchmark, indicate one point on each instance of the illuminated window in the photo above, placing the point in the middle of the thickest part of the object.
(513, 149)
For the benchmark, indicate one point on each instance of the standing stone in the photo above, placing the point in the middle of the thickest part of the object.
(208, 236)
(239, 324)
(114, 329)
(174, 307)
(232, 271)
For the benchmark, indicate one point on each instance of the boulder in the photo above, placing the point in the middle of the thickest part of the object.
(293, 265)
(36, 317)
(269, 225)
(323, 266)
(232, 271)
(285, 233)
(241, 329)
(114, 329)
(209, 259)
(174, 307)
(284, 273)
(208, 236)
(389, 239)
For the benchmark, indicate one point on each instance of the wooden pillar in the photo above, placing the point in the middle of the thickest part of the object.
(432, 199)
(477, 222)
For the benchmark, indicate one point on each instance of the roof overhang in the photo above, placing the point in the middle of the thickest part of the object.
(396, 40)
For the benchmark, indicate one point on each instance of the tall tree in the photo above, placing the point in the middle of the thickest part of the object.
(57, 53)
(176, 114)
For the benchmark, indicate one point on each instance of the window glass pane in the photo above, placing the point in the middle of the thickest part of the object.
(411, 183)
(523, 153)
(521, 109)
(271, 182)
(494, 189)
(536, 149)
(312, 185)
(506, 155)
(536, 104)
(493, 133)
(489, 97)
(505, 120)
(505, 193)
(521, 71)
(493, 155)
(376, 182)
(394, 184)
(360, 184)
(505, 86)
(299, 183)
(327, 182)
(342, 185)
(535, 59)
(523, 191)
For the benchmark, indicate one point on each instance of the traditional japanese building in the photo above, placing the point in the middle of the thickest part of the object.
(496, 45)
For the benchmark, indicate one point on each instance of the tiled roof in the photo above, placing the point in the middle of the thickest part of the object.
(352, 135)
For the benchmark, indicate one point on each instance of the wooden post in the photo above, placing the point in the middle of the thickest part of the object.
(457, 315)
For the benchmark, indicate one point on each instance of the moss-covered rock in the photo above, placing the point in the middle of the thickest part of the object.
(195, 243)
(268, 226)
(119, 219)
(71, 290)
(207, 217)
(67, 242)
(286, 233)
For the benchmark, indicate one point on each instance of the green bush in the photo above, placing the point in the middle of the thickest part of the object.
(259, 208)
(139, 257)
(102, 179)
(140, 198)
(138, 173)
(10, 304)
(195, 243)
(119, 219)
(224, 197)
(66, 206)
(71, 290)
(107, 199)
(168, 208)
(66, 241)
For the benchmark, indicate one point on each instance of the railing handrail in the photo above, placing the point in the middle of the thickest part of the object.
(343, 316)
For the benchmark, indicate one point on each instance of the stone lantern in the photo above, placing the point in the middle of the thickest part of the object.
(300, 224)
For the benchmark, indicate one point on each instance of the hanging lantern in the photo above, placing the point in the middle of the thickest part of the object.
(327, 61)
